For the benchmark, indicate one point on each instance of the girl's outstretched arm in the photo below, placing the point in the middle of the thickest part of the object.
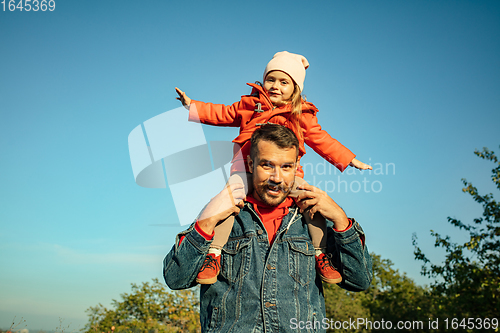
(360, 165)
(186, 101)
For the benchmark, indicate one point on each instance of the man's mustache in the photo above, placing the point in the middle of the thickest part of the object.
(281, 186)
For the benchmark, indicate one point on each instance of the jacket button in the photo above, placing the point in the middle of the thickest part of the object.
(269, 266)
(269, 304)
(260, 232)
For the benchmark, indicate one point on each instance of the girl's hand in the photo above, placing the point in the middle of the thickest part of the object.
(360, 165)
(186, 101)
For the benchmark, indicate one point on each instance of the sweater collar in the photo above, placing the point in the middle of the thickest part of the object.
(285, 204)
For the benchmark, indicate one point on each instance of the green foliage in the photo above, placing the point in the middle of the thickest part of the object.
(468, 284)
(148, 308)
(392, 296)
(342, 305)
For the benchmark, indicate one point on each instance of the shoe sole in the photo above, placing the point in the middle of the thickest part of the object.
(207, 281)
(332, 281)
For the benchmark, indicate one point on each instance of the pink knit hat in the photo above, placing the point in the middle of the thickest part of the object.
(292, 64)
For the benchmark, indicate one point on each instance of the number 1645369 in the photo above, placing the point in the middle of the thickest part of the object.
(28, 5)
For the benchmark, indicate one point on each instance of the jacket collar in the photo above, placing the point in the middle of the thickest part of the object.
(264, 97)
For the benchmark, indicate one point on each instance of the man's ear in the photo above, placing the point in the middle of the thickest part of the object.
(250, 164)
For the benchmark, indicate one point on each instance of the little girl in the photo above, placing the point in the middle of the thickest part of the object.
(278, 101)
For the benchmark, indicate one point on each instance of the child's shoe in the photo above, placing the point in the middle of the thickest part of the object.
(326, 271)
(209, 270)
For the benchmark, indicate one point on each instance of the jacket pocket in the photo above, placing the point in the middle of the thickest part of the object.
(301, 261)
(235, 259)
(214, 323)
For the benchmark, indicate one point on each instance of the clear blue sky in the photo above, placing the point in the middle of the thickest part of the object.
(409, 84)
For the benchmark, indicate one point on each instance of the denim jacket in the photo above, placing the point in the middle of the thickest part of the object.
(262, 287)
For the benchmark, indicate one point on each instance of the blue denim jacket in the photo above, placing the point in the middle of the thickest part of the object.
(262, 287)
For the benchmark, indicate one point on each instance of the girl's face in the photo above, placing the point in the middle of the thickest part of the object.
(279, 87)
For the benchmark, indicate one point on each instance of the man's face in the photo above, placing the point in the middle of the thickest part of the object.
(273, 172)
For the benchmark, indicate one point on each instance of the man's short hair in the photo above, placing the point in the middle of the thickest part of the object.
(281, 136)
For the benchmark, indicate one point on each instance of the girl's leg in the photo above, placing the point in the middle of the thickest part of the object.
(316, 226)
(317, 231)
(223, 229)
(211, 267)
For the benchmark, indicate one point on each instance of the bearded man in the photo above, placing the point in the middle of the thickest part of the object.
(268, 280)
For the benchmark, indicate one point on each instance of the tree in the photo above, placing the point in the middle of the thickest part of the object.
(392, 297)
(395, 297)
(342, 305)
(468, 284)
(148, 308)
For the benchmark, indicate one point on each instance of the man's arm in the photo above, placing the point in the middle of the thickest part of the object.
(350, 256)
(182, 263)
(345, 239)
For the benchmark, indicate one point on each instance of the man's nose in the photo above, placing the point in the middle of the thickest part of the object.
(276, 175)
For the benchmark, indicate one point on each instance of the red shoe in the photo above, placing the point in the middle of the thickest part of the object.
(326, 271)
(209, 270)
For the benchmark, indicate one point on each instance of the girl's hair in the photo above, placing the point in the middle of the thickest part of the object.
(296, 109)
(296, 105)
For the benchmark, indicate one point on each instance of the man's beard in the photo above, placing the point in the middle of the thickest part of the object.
(262, 191)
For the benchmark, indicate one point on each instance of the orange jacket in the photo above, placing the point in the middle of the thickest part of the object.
(255, 110)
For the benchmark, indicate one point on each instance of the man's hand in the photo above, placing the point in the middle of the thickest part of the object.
(186, 101)
(317, 201)
(360, 165)
(226, 203)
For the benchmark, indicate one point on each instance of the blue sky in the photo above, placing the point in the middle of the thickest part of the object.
(409, 85)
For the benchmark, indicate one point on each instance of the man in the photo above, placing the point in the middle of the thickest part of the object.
(268, 281)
